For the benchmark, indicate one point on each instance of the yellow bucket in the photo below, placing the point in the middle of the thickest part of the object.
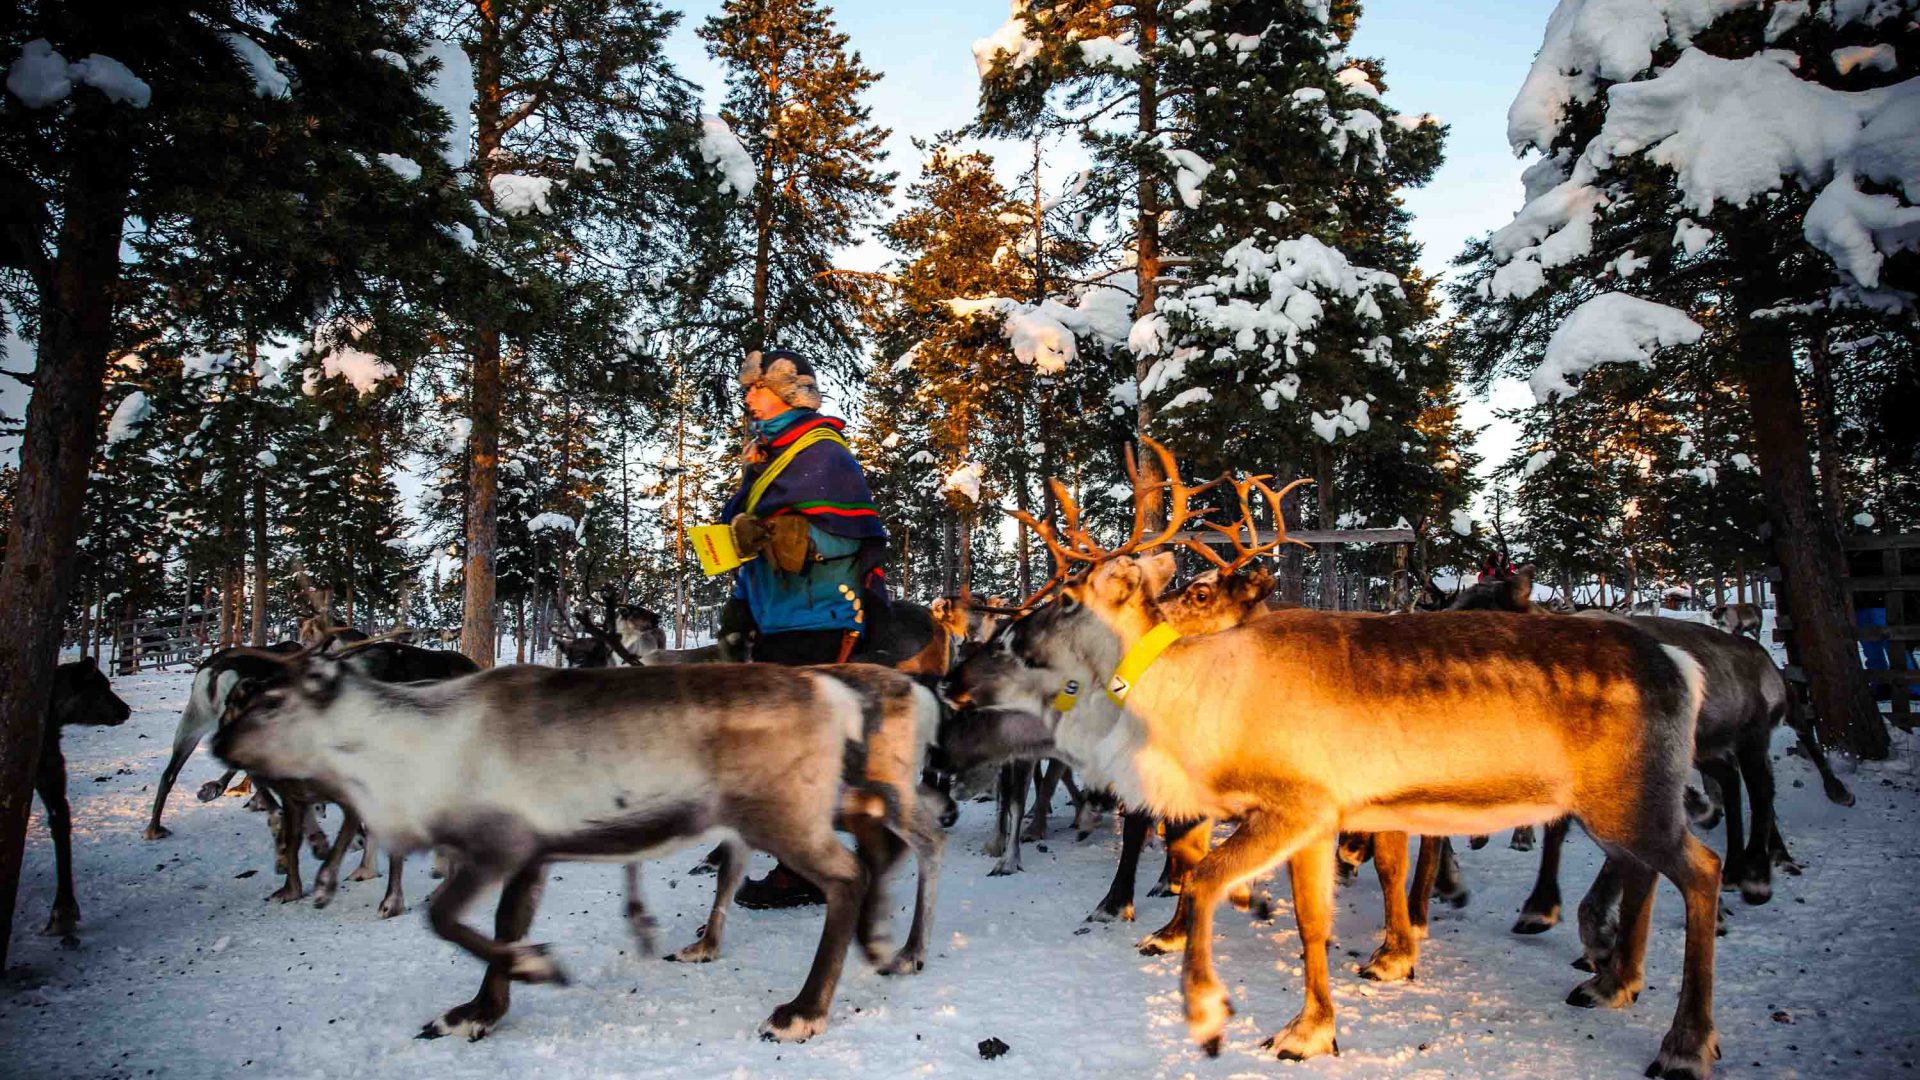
(714, 544)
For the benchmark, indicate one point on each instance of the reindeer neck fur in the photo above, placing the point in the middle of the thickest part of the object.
(1111, 741)
(396, 751)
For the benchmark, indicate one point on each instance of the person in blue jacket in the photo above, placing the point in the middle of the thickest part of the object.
(813, 590)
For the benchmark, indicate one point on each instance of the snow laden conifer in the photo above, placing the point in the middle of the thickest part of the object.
(582, 160)
(1750, 165)
(795, 110)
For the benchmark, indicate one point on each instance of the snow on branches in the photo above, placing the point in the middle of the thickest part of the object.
(40, 77)
(722, 149)
(1728, 130)
(1612, 328)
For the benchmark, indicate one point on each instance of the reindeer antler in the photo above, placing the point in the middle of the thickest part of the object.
(1072, 545)
(1253, 547)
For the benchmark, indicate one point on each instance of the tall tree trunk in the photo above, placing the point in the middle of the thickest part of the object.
(1147, 263)
(258, 637)
(1329, 553)
(77, 293)
(1807, 543)
(478, 634)
(1833, 497)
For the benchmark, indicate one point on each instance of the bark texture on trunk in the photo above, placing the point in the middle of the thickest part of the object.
(483, 510)
(1811, 559)
(56, 452)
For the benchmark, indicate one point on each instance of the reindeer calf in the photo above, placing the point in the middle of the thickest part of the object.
(517, 767)
(81, 695)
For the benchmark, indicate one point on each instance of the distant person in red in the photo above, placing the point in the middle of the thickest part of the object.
(1497, 567)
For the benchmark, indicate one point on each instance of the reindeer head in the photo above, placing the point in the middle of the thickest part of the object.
(1509, 594)
(83, 696)
(305, 715)
(1218, 600)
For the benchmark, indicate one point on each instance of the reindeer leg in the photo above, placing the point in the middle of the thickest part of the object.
(1016, 779)
(511, 919)
(1118, 903)
(50, 780)
(1399, 952)
(1691, 1045)
(1541, 912)
(1724, 774)
(1423, 874)
(213, 789)
(1617, 984)
(1311, 1033)
(185, 738)
(645, 928)
(928, 843)
(327, 881)
(728, 870)
(1522, 839)
(1186, 848)
(292, 815)
(317, 841)
(470, 876)
(879, 851)
(1046, 780)
(1599, 919)
(369, 856)
(833, 868)
(1756, 877)
(1447, 884)
(1352, 852)
(394, 902)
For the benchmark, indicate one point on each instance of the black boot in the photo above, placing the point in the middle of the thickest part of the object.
(781, 888)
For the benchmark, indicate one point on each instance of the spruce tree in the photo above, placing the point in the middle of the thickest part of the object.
(253, 123)
(1733, 174)
(795, 102)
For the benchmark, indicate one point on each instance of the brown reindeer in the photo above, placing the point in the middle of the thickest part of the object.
(1497, 720)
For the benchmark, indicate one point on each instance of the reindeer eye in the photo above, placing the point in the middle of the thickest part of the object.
(1203, 594)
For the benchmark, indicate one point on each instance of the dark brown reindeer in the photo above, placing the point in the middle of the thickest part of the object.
(1276, 722)
(1745, 699)
(592, 764)
(82, 696)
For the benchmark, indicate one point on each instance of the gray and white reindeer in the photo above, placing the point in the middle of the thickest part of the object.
(517, 767)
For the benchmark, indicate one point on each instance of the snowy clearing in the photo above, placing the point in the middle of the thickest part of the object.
(185, 971)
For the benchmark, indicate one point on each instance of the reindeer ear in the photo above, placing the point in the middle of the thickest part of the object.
(320, 680)
(1521, 585)
(1256, 583)
(1116, 582)
(1159, 568)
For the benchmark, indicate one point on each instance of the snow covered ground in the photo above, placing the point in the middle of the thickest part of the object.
(185, 971)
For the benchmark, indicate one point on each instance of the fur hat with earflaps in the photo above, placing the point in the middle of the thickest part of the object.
(784, 372)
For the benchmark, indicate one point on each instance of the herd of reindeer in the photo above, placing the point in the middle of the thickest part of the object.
(1323, 739)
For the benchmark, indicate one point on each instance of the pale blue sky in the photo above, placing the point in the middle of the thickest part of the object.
(1461, 61)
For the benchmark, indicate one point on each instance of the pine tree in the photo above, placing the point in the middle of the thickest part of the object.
(179, 132)
(795, 103)
(1710, 183)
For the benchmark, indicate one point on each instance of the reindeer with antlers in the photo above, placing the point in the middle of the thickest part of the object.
(1302, 726)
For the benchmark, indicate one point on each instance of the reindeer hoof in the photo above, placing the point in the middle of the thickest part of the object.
(1602, 991)
(1389, 965)
(1301, 1040)
(1161, 942)
(60, 924)
(1002, 869)
(471, 1021)
(531, 964)
(699, 952)
(1537, 922)
(907, 961)
(1477, 842)
(1262, 908)
(391, 907)
(789, 1024)
(1106, 913)
(1208, 1010)
(365, 872)
(1680, 1061)
(285, 894)
(1756, 891)
(209, 791)
(322, 895)
(157, 832)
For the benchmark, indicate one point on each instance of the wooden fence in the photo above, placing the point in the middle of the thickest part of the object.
(158, 641)
(1885, 566)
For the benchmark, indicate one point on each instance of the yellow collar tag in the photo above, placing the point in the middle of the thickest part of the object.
(1139, 659)
(1068, 697)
